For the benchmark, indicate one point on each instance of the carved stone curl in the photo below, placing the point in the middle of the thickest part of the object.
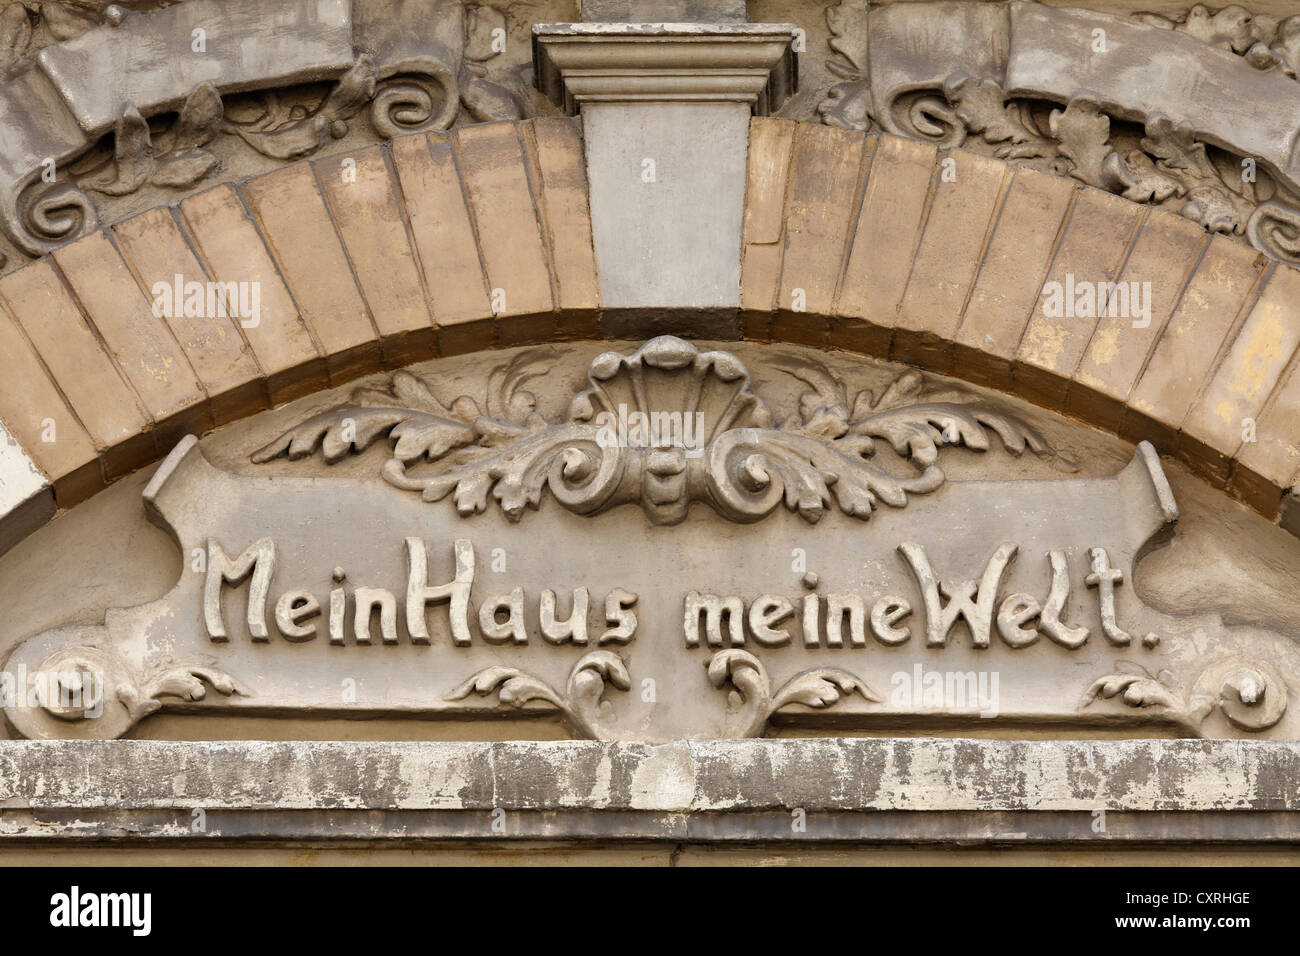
(579, 706)
(93, 687)
(1251, 695)
(940, 71)
(751, 702)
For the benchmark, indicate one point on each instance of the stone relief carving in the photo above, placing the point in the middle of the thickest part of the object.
(1103, 99)
(580, 706)
(752, 702)
(1167, 116)
(664, 426)
(29, 26)
(402, 66)
(627, 622)
(1249, 694)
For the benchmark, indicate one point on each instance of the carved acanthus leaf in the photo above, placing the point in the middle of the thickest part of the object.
(1251, 695)
(726, 452)
(579, 706)
(183, 163)
(751, 701)
(1201, 175)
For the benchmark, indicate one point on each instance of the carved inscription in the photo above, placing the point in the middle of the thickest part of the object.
(343, 596)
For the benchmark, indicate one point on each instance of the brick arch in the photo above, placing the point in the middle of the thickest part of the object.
(446, 243)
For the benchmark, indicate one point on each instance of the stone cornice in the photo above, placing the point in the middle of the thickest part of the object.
(579, 63)
(885, 791)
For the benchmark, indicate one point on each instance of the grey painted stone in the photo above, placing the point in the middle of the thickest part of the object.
(905, 791)
(663, 11)
(151, 61)
(673, 241)
(26, 497)
(666, 111)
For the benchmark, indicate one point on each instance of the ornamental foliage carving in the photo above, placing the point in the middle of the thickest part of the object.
(1103, 99)
(664, 426)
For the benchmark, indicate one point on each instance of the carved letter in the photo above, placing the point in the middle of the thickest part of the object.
(963, 602)
(367, 599)
(1017, 610)
(292, 608)
(1104, 578)
(419, 594)
(1050, 619)
(764, 614)
(713, 608)
(259, 560)
(498, 632)
(885, 614)
(574, 629)
(621, 621)
(837, 605)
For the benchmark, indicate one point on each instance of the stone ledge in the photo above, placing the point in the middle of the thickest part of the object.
(877, 790)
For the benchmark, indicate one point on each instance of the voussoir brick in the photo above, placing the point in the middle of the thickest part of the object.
(84, 372)
(300, 234)
(966, 196)
(434, 199)
(156, 250)
(138, 340)
(1167, 250)
(894, 202)
(1228, 408)
(1011, 276)
(767, 173)
(1093, 249)
(40, 419)
(506, 221)
(361, 193)
(825, 173)
(555, 146)
(1268, 463)
(1219, 289)
(232, 251)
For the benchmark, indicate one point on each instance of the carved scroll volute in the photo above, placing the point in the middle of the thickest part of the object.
(418, 46)
(39, 208)
(907, 89)
(71, 683)
(1251, 695)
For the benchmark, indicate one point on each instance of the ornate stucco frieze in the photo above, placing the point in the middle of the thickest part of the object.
(1196, 113)
(127, 98)
(1200, 114)
(665, 426)
(654, 593)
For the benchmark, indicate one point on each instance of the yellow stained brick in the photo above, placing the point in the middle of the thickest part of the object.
(888, 229)
(37, 415)
(1251, 368)
(301, 236)
(232, 250)
(85, 374)
(155, 249)
(767, 173)
(440, 224)
(138, 340)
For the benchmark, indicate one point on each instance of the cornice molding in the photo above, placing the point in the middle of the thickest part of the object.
(580, 63)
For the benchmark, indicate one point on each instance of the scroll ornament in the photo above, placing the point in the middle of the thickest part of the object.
(421, 75)
(902, 73)
(1250, 694)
